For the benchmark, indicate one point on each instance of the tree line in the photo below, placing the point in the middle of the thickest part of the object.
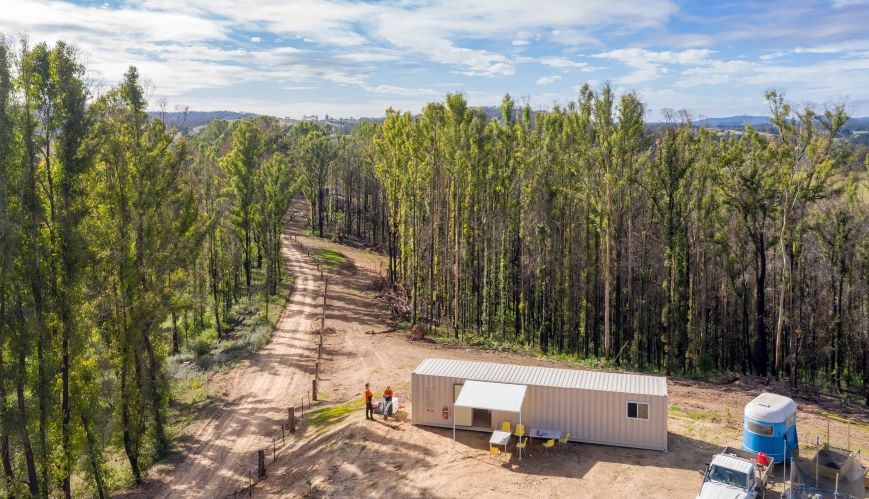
(116, 235)
(585, 231)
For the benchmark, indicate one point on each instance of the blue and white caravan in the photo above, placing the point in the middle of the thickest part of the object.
(770, 426)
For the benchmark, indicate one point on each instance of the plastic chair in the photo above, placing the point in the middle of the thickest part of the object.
(549, 444)
(520, 447)
(520, 430)
(494, 452)
(563, 440)
(505, 426)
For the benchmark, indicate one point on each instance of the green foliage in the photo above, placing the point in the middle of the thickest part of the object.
(331, 415)
(584, 233)
(117, 238)
(330, 258)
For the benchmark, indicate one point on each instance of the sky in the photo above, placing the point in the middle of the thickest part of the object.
(291, 58)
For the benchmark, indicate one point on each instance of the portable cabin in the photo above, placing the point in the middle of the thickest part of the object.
(770, 426)
(626, 410)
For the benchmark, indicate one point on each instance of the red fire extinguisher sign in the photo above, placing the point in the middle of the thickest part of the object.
(446, 412)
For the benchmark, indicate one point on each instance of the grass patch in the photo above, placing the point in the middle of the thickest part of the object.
(334, 414)
(675, 410)
(330, 258)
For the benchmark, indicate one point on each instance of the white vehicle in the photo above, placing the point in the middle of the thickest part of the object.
(735, 474)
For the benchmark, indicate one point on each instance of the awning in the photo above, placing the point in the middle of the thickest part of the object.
(492, 396)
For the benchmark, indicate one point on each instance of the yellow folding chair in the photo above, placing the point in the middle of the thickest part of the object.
(520, 447)
(494, 452)
(563, 440)
(505, 426)
(549, 444)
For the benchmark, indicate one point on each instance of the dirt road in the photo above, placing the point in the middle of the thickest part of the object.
(256, 394)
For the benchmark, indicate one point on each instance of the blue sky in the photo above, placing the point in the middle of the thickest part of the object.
(352, 58)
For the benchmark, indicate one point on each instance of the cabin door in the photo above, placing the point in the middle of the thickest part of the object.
(464, 416)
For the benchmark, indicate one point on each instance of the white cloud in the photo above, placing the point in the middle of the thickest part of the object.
(255, 39)
(519, 43)
(546, 80)
(575, 38)
(648, 65)
(848, 3)
(562, 62)
(395, 90)
(772, 55)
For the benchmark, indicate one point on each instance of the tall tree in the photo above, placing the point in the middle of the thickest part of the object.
(241, 165)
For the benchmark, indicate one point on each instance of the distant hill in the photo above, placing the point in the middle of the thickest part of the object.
(856, 130)
(187, 122)
(734, 121)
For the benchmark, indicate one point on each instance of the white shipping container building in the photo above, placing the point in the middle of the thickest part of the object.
(626, 410)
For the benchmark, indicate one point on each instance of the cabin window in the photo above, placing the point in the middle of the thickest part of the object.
(638, 410)
(759, 429)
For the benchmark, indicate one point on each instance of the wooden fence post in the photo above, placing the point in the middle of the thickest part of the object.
(292, 419)
(317, 370)
(323, 318)
(314, 389)
(261, 463)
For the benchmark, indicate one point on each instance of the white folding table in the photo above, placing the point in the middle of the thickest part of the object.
(500, 438)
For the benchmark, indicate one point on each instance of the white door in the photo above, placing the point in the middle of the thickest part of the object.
(464, 416)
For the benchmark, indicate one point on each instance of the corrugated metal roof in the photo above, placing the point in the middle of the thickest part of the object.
(638, 384)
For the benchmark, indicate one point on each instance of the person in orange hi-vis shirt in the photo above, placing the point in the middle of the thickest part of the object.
(387, 401)
(369, 408)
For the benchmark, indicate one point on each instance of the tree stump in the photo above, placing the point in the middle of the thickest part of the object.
(418, 332)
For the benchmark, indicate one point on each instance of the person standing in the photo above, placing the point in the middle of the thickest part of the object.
(369, 408)
(387, 401)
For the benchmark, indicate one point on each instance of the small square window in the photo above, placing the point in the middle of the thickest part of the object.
(638, 410)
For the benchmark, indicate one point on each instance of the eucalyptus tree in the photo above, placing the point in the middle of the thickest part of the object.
(838, 228)
(150, 224)
(669, 184)
(67, 240)
(8, 252)
(241, 165)
(750, 188)
(318, 153)
(393, 146)
(805, 159)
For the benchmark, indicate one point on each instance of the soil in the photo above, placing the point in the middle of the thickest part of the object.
(353, 457)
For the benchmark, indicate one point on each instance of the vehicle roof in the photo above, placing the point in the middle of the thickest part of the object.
(771, 408)
(732, 463)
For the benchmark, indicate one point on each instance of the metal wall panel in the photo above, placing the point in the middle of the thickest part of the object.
(593, 416)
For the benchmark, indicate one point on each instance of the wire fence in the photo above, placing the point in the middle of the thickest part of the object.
(283, 438)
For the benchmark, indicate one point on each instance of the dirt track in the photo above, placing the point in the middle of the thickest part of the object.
(255, 396)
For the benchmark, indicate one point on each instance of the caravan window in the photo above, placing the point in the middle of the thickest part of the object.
(759, 429)
(638, 410)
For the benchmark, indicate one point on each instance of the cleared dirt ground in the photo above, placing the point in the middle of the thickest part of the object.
(351, 457)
